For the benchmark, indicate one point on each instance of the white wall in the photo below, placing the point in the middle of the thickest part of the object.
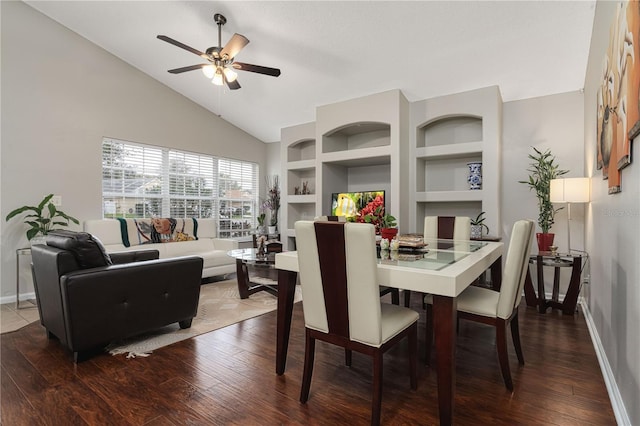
(61, 95)
(613, 240)
(273, 160)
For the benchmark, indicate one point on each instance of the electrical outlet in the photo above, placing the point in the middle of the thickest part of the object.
(56, 200)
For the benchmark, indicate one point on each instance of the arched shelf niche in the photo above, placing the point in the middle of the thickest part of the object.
(357, 136)
(301, 171)
(449, 130)
(301, 150)
(444, 146)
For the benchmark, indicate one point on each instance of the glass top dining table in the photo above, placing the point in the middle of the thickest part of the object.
(435, 256)
(443, 268)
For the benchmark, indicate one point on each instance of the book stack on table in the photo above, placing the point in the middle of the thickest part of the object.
(411, 242)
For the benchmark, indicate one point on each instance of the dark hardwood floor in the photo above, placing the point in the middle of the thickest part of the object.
(228, 377)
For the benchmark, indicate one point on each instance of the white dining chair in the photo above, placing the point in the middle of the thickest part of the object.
(445, 228)
(494, 308)
(341, 302)
(384, 290)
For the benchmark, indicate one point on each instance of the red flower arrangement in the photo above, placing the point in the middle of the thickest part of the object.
(373, 213)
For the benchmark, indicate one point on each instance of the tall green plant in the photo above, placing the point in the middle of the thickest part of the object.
(45, 217)
(542, 170)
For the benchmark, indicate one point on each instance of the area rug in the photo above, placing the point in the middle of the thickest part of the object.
(220, 305)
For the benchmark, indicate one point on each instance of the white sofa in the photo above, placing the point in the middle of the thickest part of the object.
(212, 250)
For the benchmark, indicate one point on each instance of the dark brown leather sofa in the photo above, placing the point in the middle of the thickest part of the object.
(88, 299)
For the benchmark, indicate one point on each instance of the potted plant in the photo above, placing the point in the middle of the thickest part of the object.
(45, 218)
(384, 223)
(261, 217)
(477, 225)
(542, 170)
(388, 227)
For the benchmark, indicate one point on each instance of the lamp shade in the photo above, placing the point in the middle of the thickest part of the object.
(569, 190)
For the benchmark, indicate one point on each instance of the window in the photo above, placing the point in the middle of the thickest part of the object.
(147, 181)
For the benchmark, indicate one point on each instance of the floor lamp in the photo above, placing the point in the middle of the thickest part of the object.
(569, 190)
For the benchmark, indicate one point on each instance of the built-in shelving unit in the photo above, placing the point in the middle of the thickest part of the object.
(449, 132)
(363, 144)
(298, 147)
(416, 152)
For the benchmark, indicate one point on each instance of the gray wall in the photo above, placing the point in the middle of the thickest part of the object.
(613, 240)
(552, 122)
(61, 95)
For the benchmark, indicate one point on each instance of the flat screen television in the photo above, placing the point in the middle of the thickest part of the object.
(356, 205)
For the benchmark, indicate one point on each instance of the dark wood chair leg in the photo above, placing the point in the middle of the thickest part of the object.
(348, 356)
(413, 356)
(428, 341)
(503, 356)
(515, 335)
(407, 298)
(309, 354)
(376, 402)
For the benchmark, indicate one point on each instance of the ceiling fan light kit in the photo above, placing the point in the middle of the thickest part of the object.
(221, 60)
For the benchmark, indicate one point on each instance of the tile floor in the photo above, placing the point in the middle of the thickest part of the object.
(12, 319)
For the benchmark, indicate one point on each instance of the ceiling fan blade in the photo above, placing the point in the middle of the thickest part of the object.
(182, 46)
(189, 68)
(234, 46)
(274, 72)
(233, 85)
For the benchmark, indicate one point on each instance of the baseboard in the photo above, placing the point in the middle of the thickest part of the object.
(619, 410)
(12, 299)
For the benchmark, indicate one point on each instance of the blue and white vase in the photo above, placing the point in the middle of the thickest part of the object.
(475, 175)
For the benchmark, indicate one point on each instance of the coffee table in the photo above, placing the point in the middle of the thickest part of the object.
(249, 257)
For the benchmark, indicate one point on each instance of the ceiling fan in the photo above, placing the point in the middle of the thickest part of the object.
(221, 63)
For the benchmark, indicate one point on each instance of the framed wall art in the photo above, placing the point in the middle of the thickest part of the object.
(619, 95)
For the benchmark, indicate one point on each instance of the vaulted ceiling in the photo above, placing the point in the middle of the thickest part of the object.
(331, 51)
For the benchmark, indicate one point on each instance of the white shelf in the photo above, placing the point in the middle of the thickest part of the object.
(360, 157)
(301, 199)
(441, 152)
(448, 196)
(302, 165)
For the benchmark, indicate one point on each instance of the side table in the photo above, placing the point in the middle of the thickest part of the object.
(556, 261)
(21, 252)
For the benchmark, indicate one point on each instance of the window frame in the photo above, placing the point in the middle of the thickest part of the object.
(141, 180)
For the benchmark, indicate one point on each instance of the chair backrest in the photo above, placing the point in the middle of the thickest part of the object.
(447, 227)
(515, 267)
(331, 218)
(338, 275)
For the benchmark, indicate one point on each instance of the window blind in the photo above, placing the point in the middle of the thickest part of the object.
(147, 181)
(237, 196)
